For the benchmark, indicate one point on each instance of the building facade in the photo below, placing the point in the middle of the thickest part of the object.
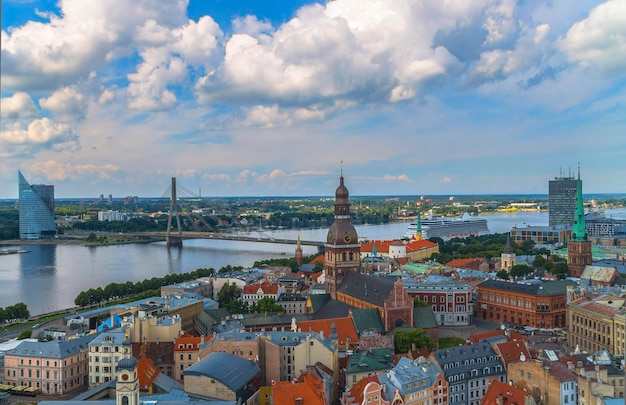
(105, 351)
(562, 201)
(468, 369)
(36, 210)
(56, 367)
(535, 304)
(451, 301)
(595, 324)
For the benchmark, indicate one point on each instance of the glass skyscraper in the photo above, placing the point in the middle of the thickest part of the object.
(562, 201)
(36, 210)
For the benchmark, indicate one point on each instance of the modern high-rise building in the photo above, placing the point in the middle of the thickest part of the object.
(562, 201)
(36, 204)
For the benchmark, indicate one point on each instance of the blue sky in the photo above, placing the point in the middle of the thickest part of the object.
(249, 98)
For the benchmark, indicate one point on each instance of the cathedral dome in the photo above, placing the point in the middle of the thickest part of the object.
(342, 191)
(342, 233)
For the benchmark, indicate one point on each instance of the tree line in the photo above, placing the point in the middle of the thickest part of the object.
(14, 313)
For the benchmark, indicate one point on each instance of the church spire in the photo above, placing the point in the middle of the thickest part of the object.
(418, 226)
(579, 230)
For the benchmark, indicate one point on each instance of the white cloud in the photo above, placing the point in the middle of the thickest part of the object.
(19, 105)
(600, 39)
(67, 103)
(41, 134)
(106, 97)
(166, 58)
(58, 171)
(83, 37)
(340, 51)
(251, 25)
(400, 177)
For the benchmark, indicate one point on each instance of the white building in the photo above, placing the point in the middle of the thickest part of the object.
(105, 351)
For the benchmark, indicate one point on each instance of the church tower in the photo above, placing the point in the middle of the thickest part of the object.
(508, 258)
(299, 254)
(578, 247)
(127, 384)
(418, 226)
(342, 252)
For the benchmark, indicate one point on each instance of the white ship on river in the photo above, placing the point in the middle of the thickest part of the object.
(448, 228)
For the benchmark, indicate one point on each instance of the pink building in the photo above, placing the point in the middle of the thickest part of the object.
(56, 367)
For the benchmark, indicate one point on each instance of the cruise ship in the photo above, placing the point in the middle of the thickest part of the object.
(448, 228)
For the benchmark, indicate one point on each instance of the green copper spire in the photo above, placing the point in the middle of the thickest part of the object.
(419, 222)
(579, 230)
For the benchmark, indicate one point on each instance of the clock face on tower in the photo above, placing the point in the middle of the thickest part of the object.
(330, 238)
(347, 238)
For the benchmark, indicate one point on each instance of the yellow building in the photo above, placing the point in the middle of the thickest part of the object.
(596, 323)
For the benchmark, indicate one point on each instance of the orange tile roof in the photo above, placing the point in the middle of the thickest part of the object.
(344, 326)
(477, 337)
(318, 259)
(147, 372)
(512, 351)
(308, 387)
(268, 289)
(415, 245)
(186, 340)
(510, 394)
(462, 262)
(382, 246)
(315, 276)
(357, 389)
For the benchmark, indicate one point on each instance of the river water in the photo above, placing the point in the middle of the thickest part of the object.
(49, 277)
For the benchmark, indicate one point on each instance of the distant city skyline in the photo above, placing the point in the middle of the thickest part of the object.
(253, 98)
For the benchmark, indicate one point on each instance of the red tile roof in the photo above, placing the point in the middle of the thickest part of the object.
(308, 388)
(147, 373)
(266, 288)
(512, 351)
(382, 246)
(463, 262)
(315, 276)
(318, 259)
(415, 245)
(510, 395)
(357, 389)
(185, 340)
(344, 326)
(477, 337)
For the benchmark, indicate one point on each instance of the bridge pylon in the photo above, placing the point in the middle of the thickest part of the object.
(174, 240)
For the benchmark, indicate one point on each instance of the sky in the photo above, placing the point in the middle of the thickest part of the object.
(254, 98)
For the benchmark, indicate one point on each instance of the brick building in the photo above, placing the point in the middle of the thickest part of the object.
(538, 304)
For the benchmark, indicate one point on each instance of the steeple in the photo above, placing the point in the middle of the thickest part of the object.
(508, 249)
(299, 254)
(418, 227)
(579, 230)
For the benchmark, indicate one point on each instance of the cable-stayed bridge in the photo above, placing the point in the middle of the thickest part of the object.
(176, 237)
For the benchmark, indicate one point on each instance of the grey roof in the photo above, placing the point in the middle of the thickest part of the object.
(332, 309)
(463, 360)
(54, 349)
(543, 288)
(408, 372)
(367, 319)
(260, 320)
(318, 301)
(112, 336)
(232, 371)
(424, 317)
(374, 290)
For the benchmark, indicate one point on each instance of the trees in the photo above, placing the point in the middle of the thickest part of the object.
(503, 274)
(14, 313)
(405, 340)
(229, 297)
(266, 304)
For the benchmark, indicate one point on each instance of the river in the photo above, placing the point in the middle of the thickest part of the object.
(49, 277)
